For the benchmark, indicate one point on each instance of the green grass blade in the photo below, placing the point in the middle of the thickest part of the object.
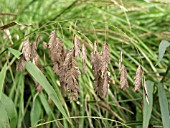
(164, 106)
(148, 107)
(16, 53)
(40, 78)
(4, 122)
(2, 78)
(45, 104)
(10, 109)
(162, 48)
(35, 111)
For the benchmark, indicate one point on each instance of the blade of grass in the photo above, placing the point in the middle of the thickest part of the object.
(16, 53)
(10, 109)
(35, 111)
(162, 48)
(2, 78)
(164, 106)
(40, 78)
(4, 122)
(147, 107)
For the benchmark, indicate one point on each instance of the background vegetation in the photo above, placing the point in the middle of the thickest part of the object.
(135, 27)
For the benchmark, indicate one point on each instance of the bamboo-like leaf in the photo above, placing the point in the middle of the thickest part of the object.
(10, 109)
(164, 106)
(162, 48)
(2, 78)
(4, 122)
(16, 53)
(40, 78)
(35, 111)
(147, 107)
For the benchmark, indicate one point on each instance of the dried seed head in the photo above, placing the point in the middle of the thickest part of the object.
(21, 64)
(106, 53)
(95, 48)
(44, 45)
(84, 57)
(120, 60)
(71, 80)
(56, 51)
(36, 60)
(105, 57)
(123, 77)
(101, 85)
(76, 47)
(33, 49)
(99, 65)
(52, 40)
(138, 78)
(26, 50)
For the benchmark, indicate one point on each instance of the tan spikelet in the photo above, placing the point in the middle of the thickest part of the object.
(44, 45)
(84, 57)
(71, 79)
(123, 77)
(77, 47)
(106, 53)
(99, 65)
(26, 50)
(138, 78)
(56, 51)
(21, 64)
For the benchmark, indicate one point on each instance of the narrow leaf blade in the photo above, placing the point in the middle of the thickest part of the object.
(4, 122)
(2, 78)
(41, 79)
(164, 106)
(10, 109)
(147, 107)
(35, 111)
(162, 48)
(16, 53)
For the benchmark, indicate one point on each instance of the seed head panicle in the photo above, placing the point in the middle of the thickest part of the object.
(138, 78)
(123, 77)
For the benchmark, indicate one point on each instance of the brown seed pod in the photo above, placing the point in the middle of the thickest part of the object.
(123, 77)
(76, 47)
(26, 50)
(56, 51)
(84, 57)
(99, 65)
(21, 64)
(138, 78)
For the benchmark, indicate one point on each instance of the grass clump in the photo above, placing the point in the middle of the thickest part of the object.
(73, 69)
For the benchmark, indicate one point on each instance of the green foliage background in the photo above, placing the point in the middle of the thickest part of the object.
(135, 27)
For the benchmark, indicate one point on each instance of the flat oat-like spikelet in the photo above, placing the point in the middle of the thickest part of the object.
(138, 78)
(123, 77)
(71, 79)
(96, 61)
(105, 58)
(56, 51)
(84, 57)
(99, 65)
(106, 53)
(68, 59)
(26, 50)
(21, 64)
(101, 85)
(77, 47)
